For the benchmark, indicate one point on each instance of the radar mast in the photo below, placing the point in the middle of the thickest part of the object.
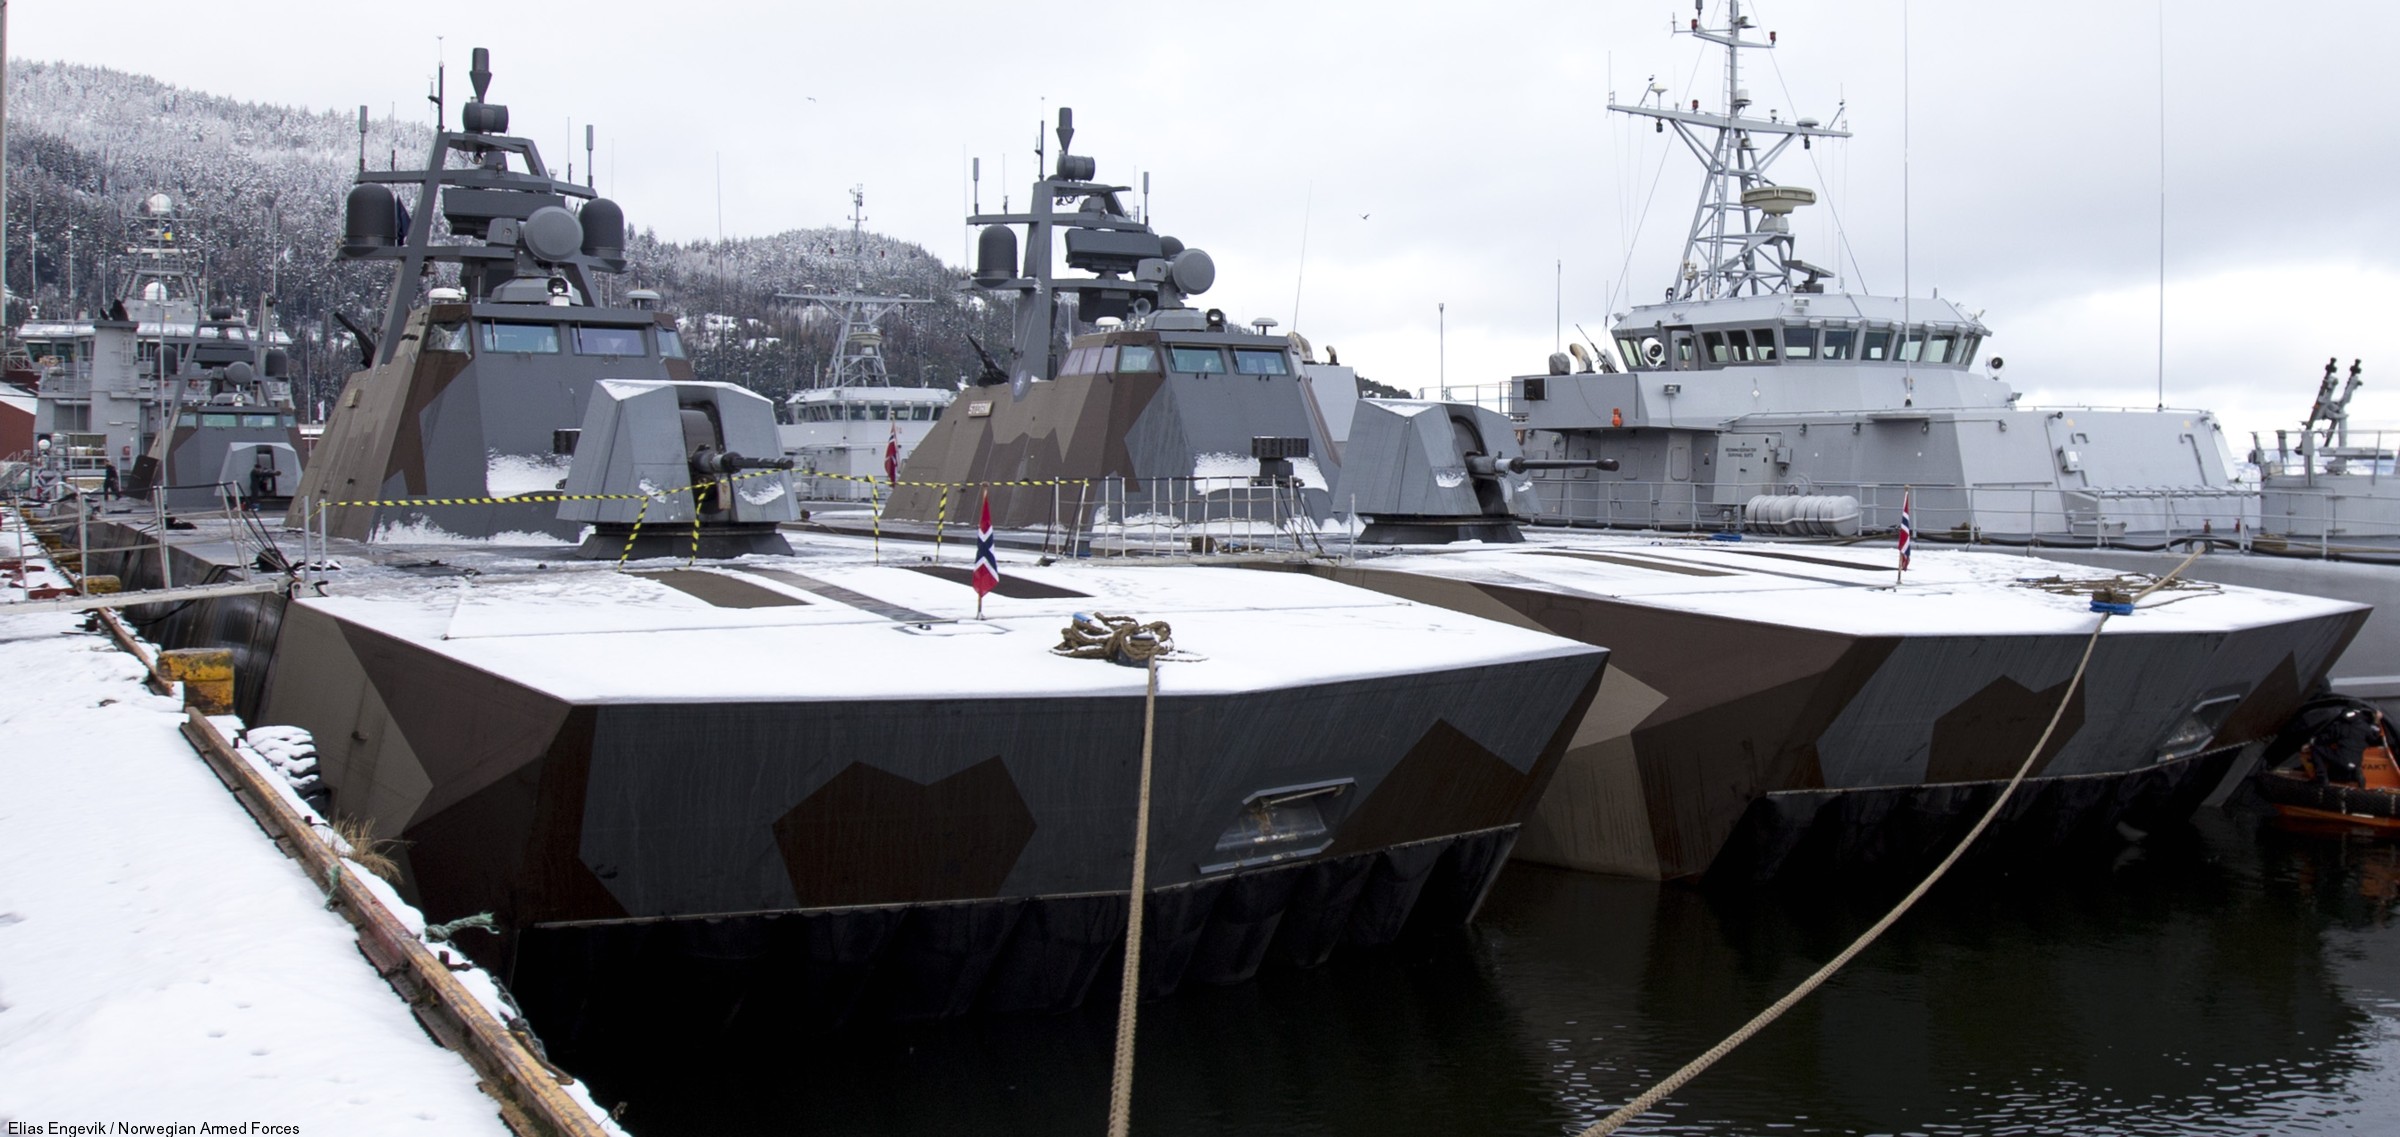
(1740, 241)
(858, 354)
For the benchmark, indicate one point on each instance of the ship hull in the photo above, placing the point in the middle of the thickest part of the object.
(1745, 748)
(661, 834)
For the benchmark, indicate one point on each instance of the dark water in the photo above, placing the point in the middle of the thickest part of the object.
(2228, 978)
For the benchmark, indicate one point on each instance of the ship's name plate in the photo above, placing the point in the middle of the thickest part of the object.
(980, 409)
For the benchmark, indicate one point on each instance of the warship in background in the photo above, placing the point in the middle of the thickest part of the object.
(672, 817)
(1754, 398)
(854, 424)
(171, 391)
(1113, 382)
(1765, 712)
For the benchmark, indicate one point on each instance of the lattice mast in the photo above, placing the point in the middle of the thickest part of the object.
(1740, 241)
(858, 357)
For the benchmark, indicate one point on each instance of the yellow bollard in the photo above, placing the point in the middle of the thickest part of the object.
(206, 674)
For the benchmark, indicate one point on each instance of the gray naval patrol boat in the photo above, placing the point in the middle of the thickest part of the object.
(1756, 397)
(763, 788)
(1767, 711)
(177, 393)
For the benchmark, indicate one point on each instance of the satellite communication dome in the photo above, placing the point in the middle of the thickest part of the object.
(158, 205)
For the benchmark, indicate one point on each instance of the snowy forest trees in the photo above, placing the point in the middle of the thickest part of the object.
(259, 188)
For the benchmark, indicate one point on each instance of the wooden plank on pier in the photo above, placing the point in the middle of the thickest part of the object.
(530, 1090)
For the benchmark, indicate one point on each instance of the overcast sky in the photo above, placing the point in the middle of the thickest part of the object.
(1454, 154)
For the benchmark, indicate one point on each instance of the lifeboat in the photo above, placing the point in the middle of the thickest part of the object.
(2333, 765)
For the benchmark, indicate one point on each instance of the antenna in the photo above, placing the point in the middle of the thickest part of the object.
(976, 176)
(1066, 129)
(362, 138)
(1146, 221)
(441, 90)
(1300, 277)
(480, 72)
(587, 157)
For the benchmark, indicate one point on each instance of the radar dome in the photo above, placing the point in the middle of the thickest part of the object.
(553, 234)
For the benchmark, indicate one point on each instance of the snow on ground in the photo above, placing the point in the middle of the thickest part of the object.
(160, 960)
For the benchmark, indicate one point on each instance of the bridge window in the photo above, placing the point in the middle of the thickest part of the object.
(609, 341)
(1966, 349)
(1108, 360)
(1799, 342)
(1198, 360)
(1260, 362)
(670, 343)
(1718, 352)
(1912, 345)
(447, 335)
(1762, 344)
(920, 413)
(535, 339)
(1875, 346)
(1840, 343)
(1941, 347)
(1135, 357)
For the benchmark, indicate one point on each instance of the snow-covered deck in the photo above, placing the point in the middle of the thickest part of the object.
(160, 960)
(1846, 588)
(844, 628)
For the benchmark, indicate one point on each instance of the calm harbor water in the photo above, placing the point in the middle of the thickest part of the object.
(2227, 978)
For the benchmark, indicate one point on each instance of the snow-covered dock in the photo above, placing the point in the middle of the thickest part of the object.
(162, 963)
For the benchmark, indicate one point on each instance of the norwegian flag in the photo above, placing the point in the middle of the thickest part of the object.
(1908, 529)
(891, 455)
(987, 565)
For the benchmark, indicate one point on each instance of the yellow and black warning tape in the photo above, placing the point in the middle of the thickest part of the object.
(942, 511)
(553, 498)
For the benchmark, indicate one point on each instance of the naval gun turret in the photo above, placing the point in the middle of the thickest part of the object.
(1427, 473)
(678, 460)
(493, 335)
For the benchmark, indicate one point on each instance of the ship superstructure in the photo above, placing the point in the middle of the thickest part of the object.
(473, 390)
(1112, 381)
(1756, 377)
(854, 419)
(166, 385)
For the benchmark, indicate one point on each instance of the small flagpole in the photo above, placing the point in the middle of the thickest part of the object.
(1907, 536)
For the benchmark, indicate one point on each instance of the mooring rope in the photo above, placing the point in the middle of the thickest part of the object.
(1693, 1069)
(1120, 1084)
(1128, 642)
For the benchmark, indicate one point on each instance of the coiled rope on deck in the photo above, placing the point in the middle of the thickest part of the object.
(1693, 1069)
(1118, 639)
